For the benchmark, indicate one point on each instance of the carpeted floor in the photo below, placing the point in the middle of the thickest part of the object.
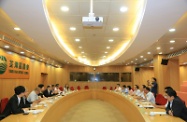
(93, 111)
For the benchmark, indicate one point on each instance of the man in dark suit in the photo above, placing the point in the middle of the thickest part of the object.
(48, 92)
(176, 106)
(15, 104)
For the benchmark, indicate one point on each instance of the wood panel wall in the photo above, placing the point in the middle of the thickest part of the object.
(141, 77)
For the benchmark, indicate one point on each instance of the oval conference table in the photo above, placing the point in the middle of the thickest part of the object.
(53, 109)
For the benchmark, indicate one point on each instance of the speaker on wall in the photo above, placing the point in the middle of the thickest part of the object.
(164, 62)
(137, 69)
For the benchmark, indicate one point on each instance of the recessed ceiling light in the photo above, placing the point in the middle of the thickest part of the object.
(22, 52)
(172, 41)
(80, 47)
(148, 52)
(106, 52)
(110, 40)
(136, 59)
(16, 28)
(104, 56)
(9, 52)
(77, 40)
(171, 48)
(131, 61)
(145, 59)
(6, 46)
(108, 47)
(82, 52)
(172, 30)
(160, 53)
(158, 48)
(141, 56)
(72, 28)
(64, 8)
(123, 9)
(115, 29)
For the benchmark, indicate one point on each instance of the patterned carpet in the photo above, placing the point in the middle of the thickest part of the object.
(93, 111)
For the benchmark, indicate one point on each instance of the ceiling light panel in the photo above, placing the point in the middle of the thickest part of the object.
(94, 40)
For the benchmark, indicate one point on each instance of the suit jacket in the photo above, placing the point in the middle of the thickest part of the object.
(24, 103)
(12, 106)
(178, 107)
(47, 94)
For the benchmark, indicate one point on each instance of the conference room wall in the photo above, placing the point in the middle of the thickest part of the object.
(183, 73)
(52, 76)
(73, 68)
(144, 74)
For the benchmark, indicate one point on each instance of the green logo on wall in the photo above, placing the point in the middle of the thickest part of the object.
(3, 64)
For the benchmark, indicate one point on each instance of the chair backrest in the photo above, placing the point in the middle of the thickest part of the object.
(61, 88)
(104, 88)
(160, 100)
(72, 88)
(86, 87)
(111, 88)
(78, 88)
(4, 102)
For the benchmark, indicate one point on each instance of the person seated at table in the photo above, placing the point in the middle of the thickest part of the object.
(165, 90)
(149, 95)
(42, 88)
(130, 90)
(14, 105)
(118, 88)
(125, 89)
(141, 95)
(57, 90)
(33, 96)
(25, 102)
(175, 106)
(66, 88)
(137, 91)
(48, 91)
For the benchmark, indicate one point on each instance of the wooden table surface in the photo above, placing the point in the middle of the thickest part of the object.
(55, 108)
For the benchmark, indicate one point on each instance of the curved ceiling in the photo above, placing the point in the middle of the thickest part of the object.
(158, 17)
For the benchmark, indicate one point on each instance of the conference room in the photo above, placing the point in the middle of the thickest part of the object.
(96, 51)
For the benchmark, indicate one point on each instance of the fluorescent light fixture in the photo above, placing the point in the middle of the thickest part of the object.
(16, 28)
(22, 52)
(6, 46)
(172, 30)
(72, 28)
(64, 8)
(77, 40)
(110, 40)
(123, 9)
(158, 48)
(108, 47)
(171, 48)
(115, 29)
(172, 41)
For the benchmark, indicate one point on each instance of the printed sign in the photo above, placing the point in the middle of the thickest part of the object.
(13, 66)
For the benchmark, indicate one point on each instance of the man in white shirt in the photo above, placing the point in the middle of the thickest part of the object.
(137, 91)
(149, 95)
(33, 96)
(118, 88)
